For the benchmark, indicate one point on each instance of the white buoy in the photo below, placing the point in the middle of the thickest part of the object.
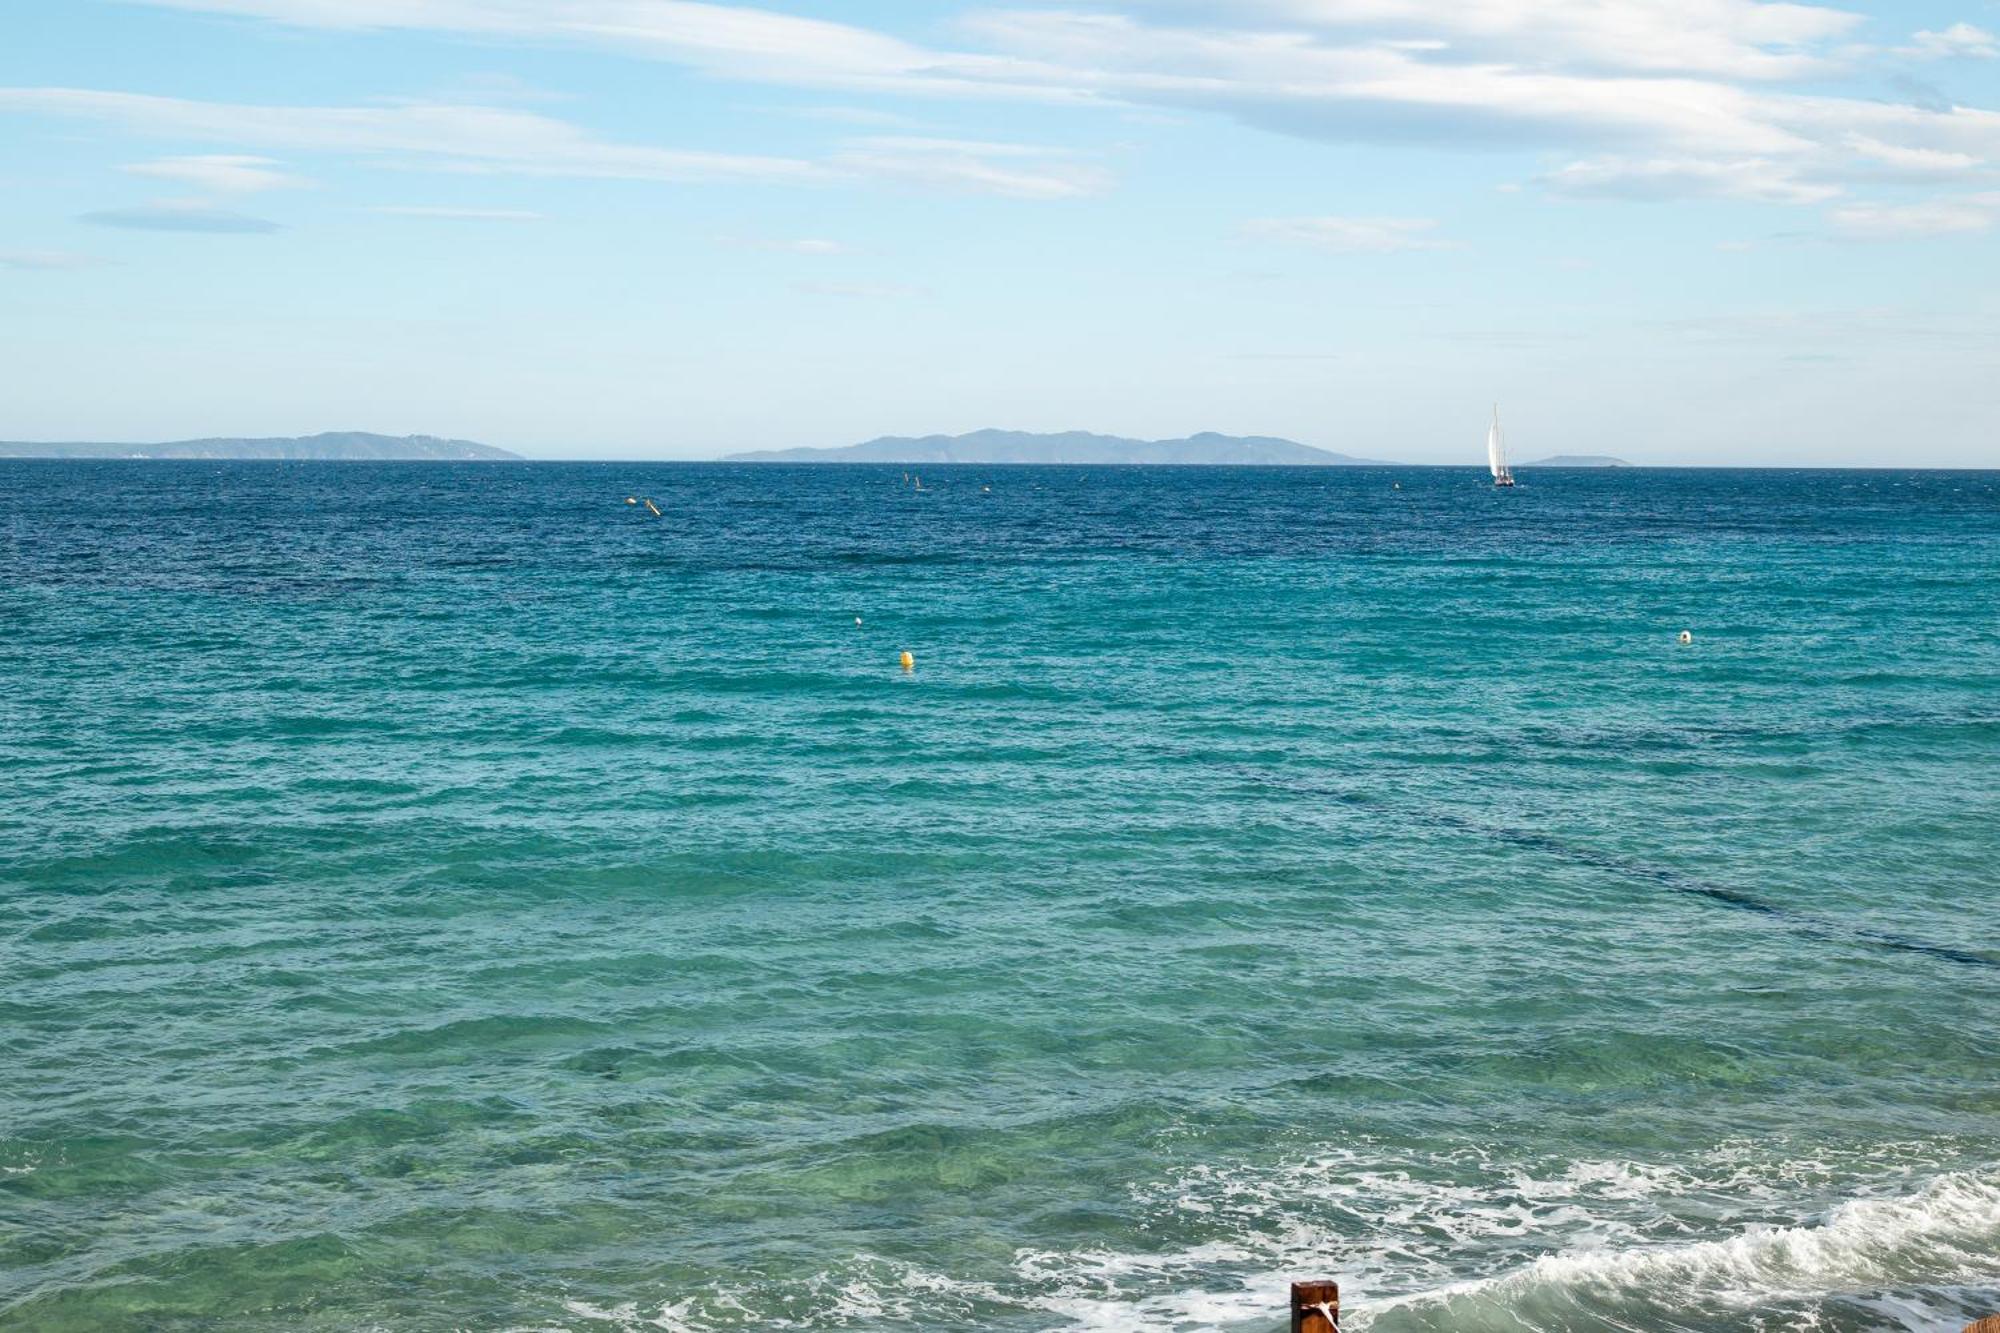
(1687, 636)
(857, 620)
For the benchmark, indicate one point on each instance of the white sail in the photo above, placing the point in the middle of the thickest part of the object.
(1496, 453)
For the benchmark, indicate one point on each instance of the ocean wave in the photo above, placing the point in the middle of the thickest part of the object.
(1919, 1259)
(1880, 1254)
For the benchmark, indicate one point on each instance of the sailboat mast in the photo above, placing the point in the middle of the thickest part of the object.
(1496, 452)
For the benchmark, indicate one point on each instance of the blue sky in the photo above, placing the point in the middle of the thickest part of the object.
(1681, 231)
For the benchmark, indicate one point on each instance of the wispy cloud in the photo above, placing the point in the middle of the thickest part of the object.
(1759, 179)
(734, 41)
(475, 138)
(1654, 99)
(48, 260)
(1769, 329)
(864, 291)
(1733, 39)
(1351, 235)
(1944, 216)
(851, 115)
(181, 215)
(802, 245)
(1021, 171)
(458, 214)
(219, 173)
(1960, 39)
(508, 140)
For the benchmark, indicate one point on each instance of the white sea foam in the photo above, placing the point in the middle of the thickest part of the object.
(1898, 1256)
(1633, 1244)
(1945, 1235)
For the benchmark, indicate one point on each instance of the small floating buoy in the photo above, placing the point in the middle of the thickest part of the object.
(655, 508)
(909, 660)
(857, 620)
(630, 501)
(1687, 636)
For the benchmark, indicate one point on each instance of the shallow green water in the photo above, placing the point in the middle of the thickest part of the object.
(440, 896)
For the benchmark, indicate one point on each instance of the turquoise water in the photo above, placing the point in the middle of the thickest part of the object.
(448, 897)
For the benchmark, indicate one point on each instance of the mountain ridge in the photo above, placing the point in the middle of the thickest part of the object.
(327, 446)
(1075, 446)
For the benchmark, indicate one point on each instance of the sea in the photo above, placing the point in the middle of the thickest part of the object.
(446, 896)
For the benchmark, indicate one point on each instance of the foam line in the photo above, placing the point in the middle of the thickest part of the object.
(1944, 1234)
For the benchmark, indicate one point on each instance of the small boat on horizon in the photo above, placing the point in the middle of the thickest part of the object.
(1496, 452)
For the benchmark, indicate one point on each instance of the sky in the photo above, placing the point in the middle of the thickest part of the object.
(1676, 231)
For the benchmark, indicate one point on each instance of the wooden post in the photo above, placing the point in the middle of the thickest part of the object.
(1316, 1307)
(1990, 1324)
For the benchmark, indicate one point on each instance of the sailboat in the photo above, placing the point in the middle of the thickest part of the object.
(1496, 453)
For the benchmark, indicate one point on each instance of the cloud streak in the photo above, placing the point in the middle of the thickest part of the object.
(1646, 99)
(1019, 171)
(219, 173)
(1945, 216)
(498, 140)
(1959, 40)
(445, 213)
(47, 261)
(1351, 235)
(731, 41)
(182, 216)
(470, 138)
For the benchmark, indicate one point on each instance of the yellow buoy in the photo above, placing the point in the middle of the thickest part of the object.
(1687, 636)
(909, 660)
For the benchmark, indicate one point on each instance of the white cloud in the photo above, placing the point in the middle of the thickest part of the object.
(1652, 98)
(1931, 217)
(219, 173)
(1960, 39)
(1737, 39)
(1351, 235)
(1906, 161)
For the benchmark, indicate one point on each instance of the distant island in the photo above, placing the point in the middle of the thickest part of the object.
(340, 446)
(1578, 460)
(1074, 446)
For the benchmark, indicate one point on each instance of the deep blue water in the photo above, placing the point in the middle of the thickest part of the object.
(449, 897)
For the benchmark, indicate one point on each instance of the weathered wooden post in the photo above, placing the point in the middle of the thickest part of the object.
(1316, 1307)
(1990, 1324)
